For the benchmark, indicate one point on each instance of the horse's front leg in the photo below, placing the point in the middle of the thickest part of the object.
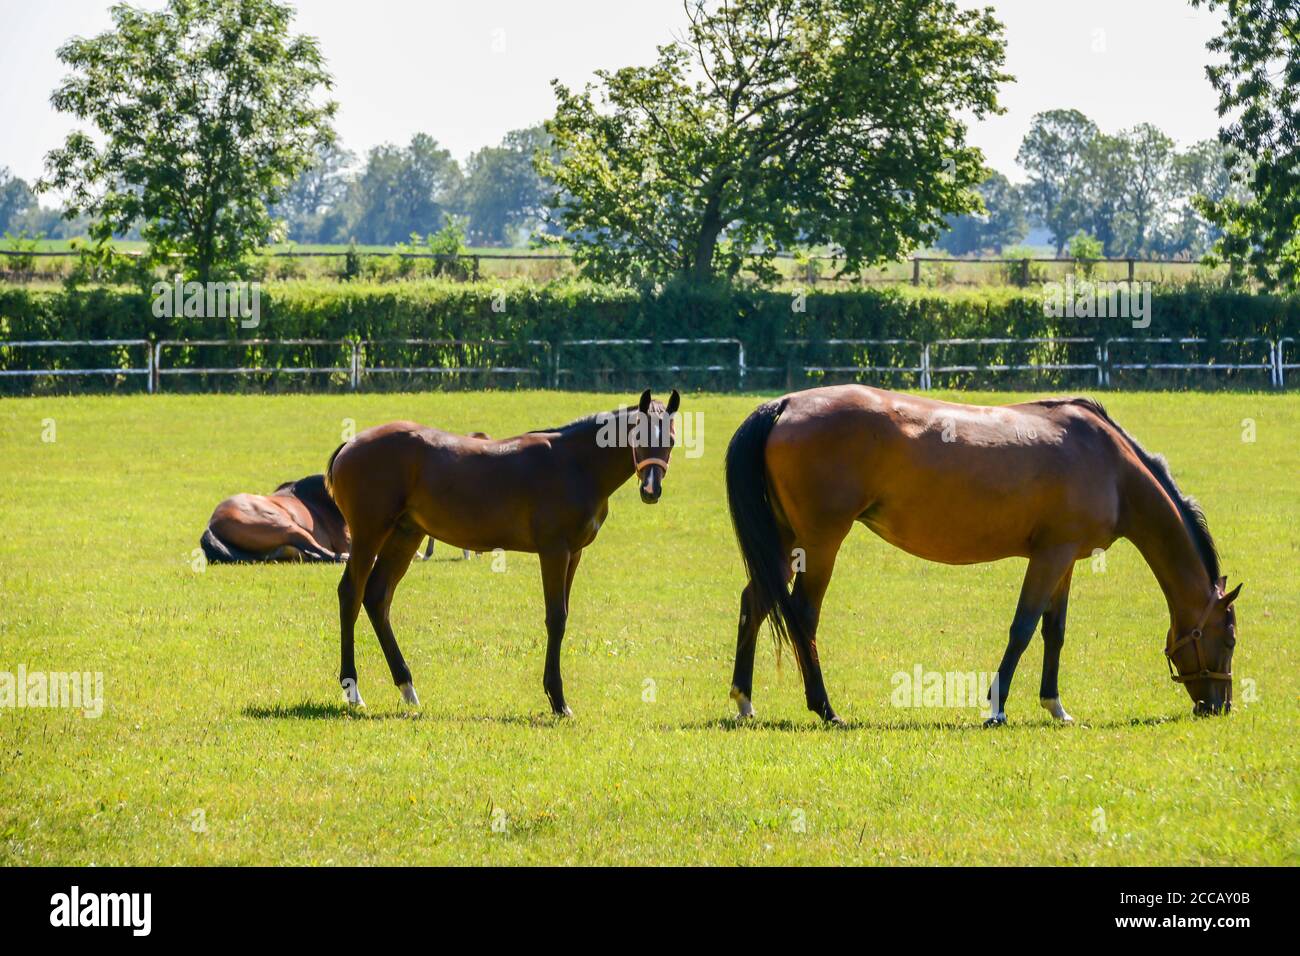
(555, 588)
(1046, 568)
(1049, 697)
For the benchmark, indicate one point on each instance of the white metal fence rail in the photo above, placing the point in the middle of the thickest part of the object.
(550, 368)
(146, 369)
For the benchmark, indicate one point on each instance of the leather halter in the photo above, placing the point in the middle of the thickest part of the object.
(639, 465)
(1193, 637)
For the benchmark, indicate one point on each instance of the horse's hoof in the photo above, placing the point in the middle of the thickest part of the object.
(409, 695)
(1053, 706)
(997, 720)
(835, 720)
(744, 708)
(564, 712)
(352, 693)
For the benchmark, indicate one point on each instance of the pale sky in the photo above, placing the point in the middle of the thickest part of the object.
(467, 71)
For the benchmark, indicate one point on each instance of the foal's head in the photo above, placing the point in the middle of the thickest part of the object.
(1203, 656)
(650, 433)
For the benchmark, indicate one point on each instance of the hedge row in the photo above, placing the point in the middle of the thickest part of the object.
(518, 312)
(578, 309)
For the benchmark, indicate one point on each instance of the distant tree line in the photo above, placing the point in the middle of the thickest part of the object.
(402, 190)
(1132, 191)
(766, 126)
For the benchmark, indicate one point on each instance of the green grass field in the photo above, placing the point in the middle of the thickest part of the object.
(223, 739)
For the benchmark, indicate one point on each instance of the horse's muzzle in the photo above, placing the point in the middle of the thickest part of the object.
(1211, 708)
(652, 487)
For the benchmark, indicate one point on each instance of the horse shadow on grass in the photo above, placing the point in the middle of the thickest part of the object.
(319, 710)
(785, 725)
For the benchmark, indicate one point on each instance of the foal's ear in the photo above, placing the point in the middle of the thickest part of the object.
(674, 400)
(644, 405)
(1227, 599)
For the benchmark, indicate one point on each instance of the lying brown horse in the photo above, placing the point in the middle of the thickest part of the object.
(546, 492)
(1050, 481)
(297, 522)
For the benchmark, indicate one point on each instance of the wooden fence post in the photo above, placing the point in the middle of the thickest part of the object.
(916, 270)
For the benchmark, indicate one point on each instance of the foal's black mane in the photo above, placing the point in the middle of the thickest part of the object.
(1192, 515)
(587, 421)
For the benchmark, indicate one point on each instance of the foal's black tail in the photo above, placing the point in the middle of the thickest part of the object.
(755, 521)
(218, 552)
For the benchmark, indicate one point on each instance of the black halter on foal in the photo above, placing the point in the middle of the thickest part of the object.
(1193, 637)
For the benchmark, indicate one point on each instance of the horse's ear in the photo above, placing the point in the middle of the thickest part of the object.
(644, 405)
(1227, 599)
(674, 401)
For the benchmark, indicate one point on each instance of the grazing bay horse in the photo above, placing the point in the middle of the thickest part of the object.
(1051, 481)
(297, 522)
(545, 492)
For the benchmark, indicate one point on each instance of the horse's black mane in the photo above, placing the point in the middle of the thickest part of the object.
(586, 421)
(310, 489)
(1192, 515)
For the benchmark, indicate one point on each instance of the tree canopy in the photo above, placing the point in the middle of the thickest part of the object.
(1257, 82)
(203, 114)
(772, 123)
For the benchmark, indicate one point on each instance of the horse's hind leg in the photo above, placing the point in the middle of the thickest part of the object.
(1053, 640)
(390, 567)
(1046, 568)
(809, 589)
(752, 616)
(352, 588)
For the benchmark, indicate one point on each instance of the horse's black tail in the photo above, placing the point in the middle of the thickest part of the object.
(754, 520)
(218, 552)
(329, 471)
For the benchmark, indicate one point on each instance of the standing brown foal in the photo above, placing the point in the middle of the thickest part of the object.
(546, 492)
(1051, 481)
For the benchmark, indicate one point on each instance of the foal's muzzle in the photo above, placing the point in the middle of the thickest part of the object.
(652, 484)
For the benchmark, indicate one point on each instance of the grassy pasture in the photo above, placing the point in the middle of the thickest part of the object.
(222, 739)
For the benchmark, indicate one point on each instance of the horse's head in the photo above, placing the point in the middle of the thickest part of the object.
(1203, 656)
(651, 435)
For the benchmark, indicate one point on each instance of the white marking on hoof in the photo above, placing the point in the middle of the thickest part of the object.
(352, 693)
(408, 694)
(997, 720)
(466, 554)
(745, 709)
(1053, 706)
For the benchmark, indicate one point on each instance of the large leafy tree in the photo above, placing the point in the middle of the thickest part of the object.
(772, 123)
(1257, 80)
(403, 191)
(201, 114)
(1055, 155)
